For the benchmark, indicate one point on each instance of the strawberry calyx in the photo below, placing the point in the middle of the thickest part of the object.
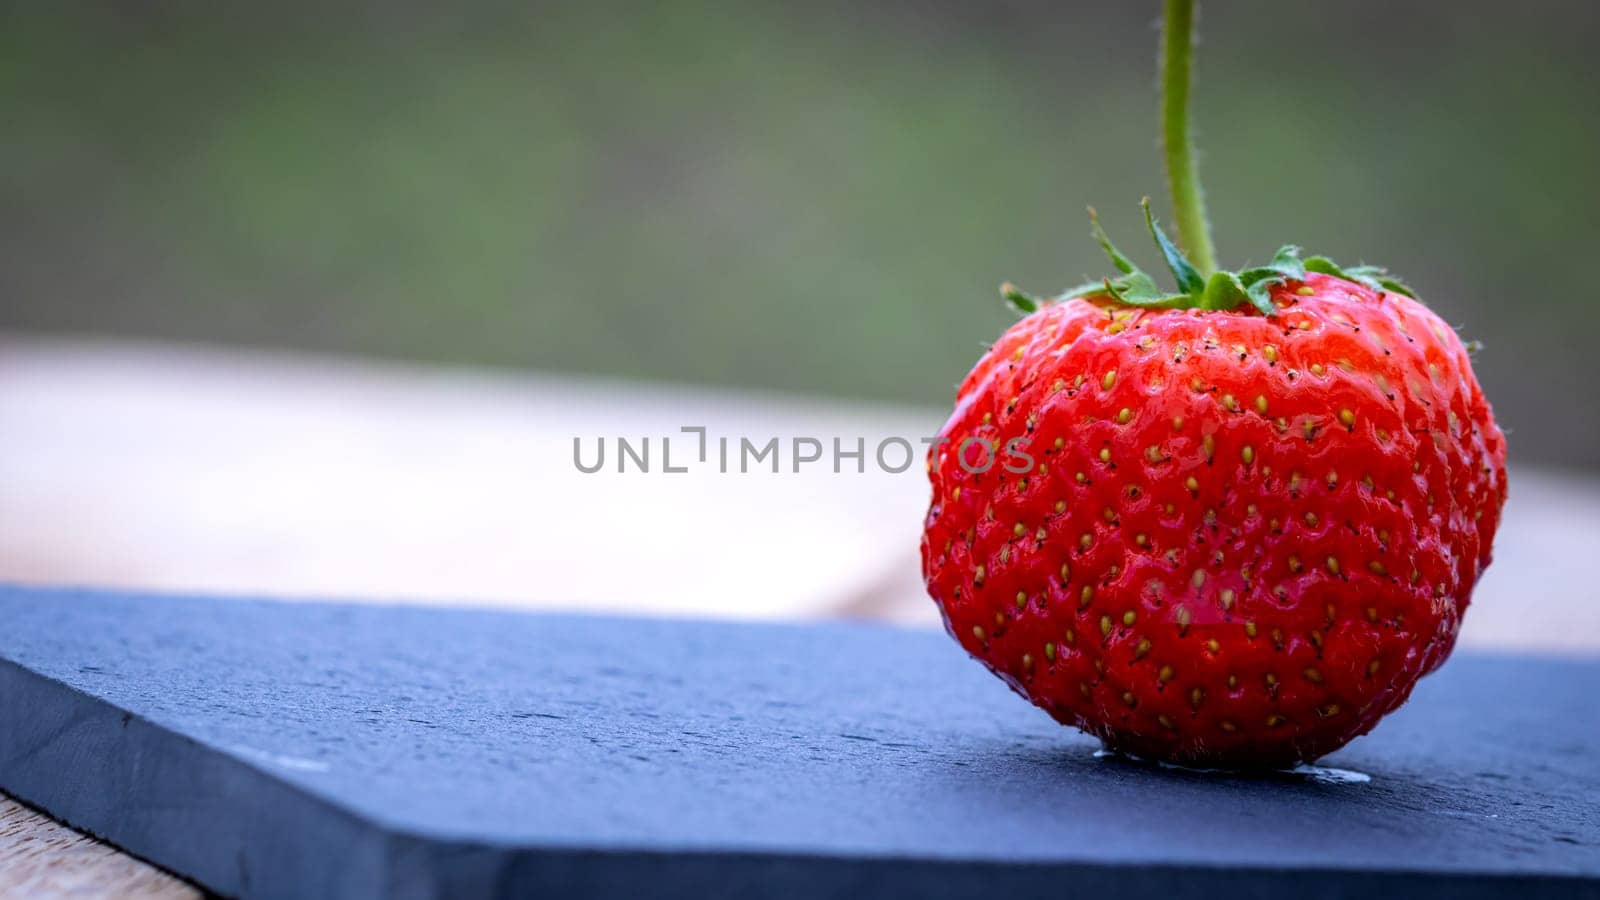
(1201, 285)
(1222, 290)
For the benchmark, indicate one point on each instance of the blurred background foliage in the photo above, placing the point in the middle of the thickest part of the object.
(814, 196)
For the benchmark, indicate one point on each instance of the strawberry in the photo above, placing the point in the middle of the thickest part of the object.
(1228, 526)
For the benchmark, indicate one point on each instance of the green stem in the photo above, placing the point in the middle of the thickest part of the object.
(1183, 176)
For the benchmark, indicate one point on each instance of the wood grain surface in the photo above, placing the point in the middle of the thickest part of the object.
(41, 858)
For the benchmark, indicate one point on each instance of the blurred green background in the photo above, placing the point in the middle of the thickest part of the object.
(817, 196)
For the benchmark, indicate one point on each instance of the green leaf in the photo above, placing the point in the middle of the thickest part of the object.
(1250, 276)
(1087, 289)
(1285, 264)
(1023, 302)
(1123, 264)
(1136, 289)
(1260, 294)
(1398, 286)
(1375, 277)
(1378, 278)
(1287, 261)
(1219, 291)
(1260, 281)
(1183, 271)
(1325, 266)
(1139, 289)
(1224, 291)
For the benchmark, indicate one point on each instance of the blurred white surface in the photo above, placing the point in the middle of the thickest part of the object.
(218, 470)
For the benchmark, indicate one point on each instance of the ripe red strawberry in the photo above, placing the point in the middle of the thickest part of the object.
(1227, 527)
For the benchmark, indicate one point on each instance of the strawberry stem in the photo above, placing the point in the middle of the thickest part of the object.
(1183, 176)
(1200, 284)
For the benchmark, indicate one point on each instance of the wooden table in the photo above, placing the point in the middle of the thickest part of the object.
(40, 857)
(217, 471)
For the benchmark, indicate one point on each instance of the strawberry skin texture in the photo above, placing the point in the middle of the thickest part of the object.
(1241, 540)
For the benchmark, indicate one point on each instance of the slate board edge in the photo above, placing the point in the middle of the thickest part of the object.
(175, 801)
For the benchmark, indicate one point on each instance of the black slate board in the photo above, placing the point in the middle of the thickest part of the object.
(312, 750)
